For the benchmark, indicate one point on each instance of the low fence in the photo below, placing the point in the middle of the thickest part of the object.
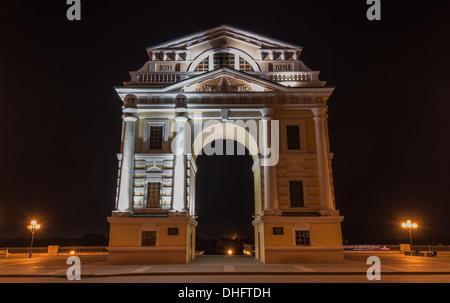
(8, 251)
(396, 247)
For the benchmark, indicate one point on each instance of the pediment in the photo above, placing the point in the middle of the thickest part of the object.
(222, 33)
(223, 83)
(225, 80)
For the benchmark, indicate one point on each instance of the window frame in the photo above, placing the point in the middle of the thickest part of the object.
(303, 193)
(300, 231)
(169, 229)
(148, 231)
(145, 204)
(289, 139)
(302, 134)
(165, 135)
(278, 231)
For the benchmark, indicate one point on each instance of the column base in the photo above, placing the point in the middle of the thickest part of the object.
(272, 212)
(329, 212)
(173, 240)
(298, 239)
(178, 213)
(118, 213)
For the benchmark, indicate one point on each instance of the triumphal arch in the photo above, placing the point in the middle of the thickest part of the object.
(225, 83)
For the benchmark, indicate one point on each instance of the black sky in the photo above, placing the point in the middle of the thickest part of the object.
(61, 119)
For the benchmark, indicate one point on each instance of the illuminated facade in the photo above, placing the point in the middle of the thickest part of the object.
(225, 83)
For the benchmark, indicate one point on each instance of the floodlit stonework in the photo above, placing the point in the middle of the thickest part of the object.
(225, 83)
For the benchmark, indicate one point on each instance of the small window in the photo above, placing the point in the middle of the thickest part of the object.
(293, 137)
(156, 138)
(149, 238)
(296, 193)
(302, 237)
(153, 194)
(278, 231)
(172, 231)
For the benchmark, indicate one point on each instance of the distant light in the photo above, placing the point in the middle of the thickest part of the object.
(72, 252)
(230, 252)
(33, 222)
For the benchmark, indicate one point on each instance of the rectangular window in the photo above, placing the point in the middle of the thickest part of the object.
(293, 136)
(296, 193)
(302, 237)
(278, 231)
(153, 194)
(172, 231)
(149, 238)
(156, 138)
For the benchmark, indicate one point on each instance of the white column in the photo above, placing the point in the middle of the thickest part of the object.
(325, 196)
(179, 166)
(211, 62)
(127, 168)
(179, 188)
(270, 171)
(237, 62)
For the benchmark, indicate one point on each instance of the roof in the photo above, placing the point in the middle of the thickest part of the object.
(232, 31)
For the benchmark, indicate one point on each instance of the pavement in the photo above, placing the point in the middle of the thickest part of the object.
(394, 268)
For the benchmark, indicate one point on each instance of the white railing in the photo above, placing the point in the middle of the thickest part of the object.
(292, 76)
(157, 77)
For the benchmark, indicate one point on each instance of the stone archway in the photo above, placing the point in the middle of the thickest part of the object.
(225, 201)
(231, 132)
(296, 219)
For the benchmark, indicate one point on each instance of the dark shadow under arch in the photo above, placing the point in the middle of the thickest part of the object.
(225, 200)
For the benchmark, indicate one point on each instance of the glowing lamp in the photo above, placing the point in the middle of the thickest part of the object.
(32, 227)
(409, 225)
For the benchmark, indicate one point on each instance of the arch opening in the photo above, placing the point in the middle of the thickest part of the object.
(225, 201)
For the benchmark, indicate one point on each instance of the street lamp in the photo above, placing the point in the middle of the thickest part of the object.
(32, 227)
(409, 226)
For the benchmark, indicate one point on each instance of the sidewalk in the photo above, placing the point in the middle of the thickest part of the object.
(95, 265)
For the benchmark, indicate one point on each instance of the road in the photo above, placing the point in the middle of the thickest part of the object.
(395, 268)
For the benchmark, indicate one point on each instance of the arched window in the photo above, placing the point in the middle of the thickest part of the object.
(223, 59)
(203, 66)
(214, 60)
(244, 66)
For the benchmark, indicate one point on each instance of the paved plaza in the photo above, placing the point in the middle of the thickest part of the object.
(395, 268)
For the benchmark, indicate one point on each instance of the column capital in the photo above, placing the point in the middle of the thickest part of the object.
(267, 113)
(130, 118)
(130, 101)
(319, 112)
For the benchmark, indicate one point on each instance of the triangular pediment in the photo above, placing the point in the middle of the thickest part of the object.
(220, 33)
(225, 80)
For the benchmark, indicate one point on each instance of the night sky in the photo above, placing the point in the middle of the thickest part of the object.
(389, 123)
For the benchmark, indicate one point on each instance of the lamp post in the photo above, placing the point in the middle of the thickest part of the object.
(409, 225)
(32, 227)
